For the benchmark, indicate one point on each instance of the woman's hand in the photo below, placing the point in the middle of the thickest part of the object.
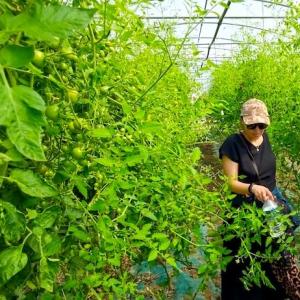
(262, 193)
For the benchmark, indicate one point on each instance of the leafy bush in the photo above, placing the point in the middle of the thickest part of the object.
(97, 155)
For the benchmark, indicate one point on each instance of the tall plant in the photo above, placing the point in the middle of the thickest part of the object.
(97, 158)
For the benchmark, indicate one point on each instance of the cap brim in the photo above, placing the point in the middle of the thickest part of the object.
(248, 120)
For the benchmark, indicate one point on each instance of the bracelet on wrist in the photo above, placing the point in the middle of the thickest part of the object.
(250, 188)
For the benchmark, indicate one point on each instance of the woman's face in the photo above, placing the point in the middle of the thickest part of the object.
(254, 131)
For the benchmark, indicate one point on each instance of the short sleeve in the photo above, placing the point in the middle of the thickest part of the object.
(230, 149)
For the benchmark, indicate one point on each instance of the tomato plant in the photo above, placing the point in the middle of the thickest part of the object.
(98, 161)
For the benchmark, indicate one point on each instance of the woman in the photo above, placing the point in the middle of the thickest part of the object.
(249, 153)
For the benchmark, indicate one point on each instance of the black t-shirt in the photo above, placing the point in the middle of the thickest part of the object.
(235, 149)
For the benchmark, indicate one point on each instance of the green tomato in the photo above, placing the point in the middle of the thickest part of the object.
(84, 163)
(77, 153)
(72, 95)
(44, 203)
(68, 52)
(43, 169)
(65, 148)
(54, 43)
(52, 112)
(49, 173)
(71, 126)
(72, 56)
(63, 66)
(64, 78)
(38, 58)
(87, 246)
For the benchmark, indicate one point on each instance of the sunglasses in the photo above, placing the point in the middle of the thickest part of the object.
(259, 125)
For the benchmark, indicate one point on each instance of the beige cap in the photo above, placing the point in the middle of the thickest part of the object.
(255, 111)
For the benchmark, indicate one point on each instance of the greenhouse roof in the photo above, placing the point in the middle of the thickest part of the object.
(219, 33)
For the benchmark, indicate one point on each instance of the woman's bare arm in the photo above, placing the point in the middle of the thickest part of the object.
(231, 171)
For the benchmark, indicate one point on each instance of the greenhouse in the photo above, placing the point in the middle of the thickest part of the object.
(149, 149)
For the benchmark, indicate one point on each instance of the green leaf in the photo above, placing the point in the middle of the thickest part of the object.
(268, 241)
(151, 127)
(116, 260)
(48, 217)
(79, 234)
(196, 154)
(46, 278)
(12, 261)
(164, 245)
(171, 261)
(142, 233)
(3, 166)
(143, 152)
(100, 133)
(289, 240)
(31, 184)
(44, 22)
(126, 107)
(31, 214)
(147, 213)
(133, 160)
(202, 269)
(152, 255)
(4, 36)
(106, 161)
(159, 236)
(22, 113)
(82, 186)
(93, 280)
(51, 244)
(16, 56)
(12, 224)
(3, 160)
(14, 155)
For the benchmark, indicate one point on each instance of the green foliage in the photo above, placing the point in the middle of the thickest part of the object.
(23, 117)
(12, 260)
(97, 155)
(12, 222)
(45, 22)
(31, 184)
(15, 56)
(97, 150)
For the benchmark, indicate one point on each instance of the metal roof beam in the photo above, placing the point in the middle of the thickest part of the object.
(226, 23)
(270, 2)
(217, 38)
(209, 17)
(233, 43)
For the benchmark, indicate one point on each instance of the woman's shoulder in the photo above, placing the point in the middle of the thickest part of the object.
(230, 147)
(232, 139)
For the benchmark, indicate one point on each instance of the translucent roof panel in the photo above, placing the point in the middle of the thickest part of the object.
(220, 33)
